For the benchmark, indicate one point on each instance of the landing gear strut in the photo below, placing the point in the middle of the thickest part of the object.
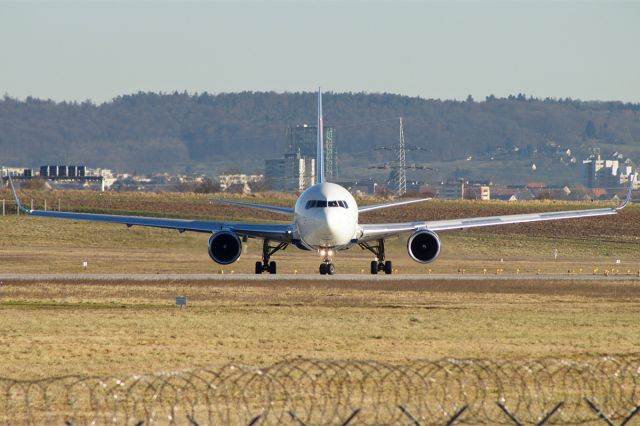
(379, 264)
(267, 252)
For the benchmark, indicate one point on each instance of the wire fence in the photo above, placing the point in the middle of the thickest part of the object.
(601, 390)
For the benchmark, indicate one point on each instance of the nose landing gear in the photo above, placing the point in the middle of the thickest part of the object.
(327, 267)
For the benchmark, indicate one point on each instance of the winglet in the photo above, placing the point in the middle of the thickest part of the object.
(627, 199)
(15, 195)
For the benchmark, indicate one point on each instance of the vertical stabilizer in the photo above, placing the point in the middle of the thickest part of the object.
(320, 153)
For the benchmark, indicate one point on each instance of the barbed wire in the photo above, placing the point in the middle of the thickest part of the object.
(316, 392)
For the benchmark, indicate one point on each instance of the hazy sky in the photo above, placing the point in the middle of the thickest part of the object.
(78, 50)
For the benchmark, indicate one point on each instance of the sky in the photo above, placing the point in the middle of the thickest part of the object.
(80, 50)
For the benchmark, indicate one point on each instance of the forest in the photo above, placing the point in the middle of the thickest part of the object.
(213, 133)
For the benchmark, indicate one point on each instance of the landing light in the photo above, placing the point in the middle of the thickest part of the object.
(329, 252)
(323, 252)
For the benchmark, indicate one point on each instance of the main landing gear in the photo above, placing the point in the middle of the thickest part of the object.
(327, 267)
(379, 264)
(267, 252)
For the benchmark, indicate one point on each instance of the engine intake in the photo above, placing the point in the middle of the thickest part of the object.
(225, 247)
(424, 246)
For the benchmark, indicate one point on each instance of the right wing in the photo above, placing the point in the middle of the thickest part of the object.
(386, 230)
(276, 232)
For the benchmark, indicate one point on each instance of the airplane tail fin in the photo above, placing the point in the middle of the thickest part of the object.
(320, 153)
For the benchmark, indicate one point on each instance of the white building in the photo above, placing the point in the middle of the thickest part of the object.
(227, 181)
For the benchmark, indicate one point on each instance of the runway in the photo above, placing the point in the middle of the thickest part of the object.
(292, 278)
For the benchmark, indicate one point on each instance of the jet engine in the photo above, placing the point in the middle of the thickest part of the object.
(423, 246)
(225, 247)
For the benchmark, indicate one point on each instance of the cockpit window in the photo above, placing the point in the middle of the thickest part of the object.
(322, 204)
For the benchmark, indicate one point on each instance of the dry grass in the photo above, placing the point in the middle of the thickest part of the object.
(126, 328)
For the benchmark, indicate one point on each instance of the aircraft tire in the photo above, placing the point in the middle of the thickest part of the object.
(374, 267)
(388, 267)
(272, 267)
(331, 269)
(323, 269)
(258, 268)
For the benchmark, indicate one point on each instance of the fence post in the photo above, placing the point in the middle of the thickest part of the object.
(58, 204)
(3, 206)
(32, 204)
(45, 204)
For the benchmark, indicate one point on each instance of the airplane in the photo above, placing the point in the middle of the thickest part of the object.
(325, 221)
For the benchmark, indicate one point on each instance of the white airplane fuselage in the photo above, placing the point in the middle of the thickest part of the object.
(326, 216)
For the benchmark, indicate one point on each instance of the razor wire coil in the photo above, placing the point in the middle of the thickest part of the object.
(320, 392)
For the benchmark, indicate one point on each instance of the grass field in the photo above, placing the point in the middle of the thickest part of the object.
(128, 328)
(54, 328)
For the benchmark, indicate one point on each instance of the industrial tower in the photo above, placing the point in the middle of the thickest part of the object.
(398, 175)
(402, 165)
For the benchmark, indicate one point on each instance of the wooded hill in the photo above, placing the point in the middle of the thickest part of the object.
(178, 132)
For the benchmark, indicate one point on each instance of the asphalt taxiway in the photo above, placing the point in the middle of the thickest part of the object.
(316, 277)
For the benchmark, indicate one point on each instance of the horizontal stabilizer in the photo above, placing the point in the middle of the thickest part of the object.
(364, 209)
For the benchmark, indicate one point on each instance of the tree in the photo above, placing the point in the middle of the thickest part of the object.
(590, 130)
(207, 186)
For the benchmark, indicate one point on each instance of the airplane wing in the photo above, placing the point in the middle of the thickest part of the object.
(277, 209)
(276, 232)
(365, 209)
(385, 230)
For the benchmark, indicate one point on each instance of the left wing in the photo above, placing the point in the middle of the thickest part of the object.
(276, 232)
(385, 230)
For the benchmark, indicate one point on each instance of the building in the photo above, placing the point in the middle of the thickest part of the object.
(363, 186)
(227, 181)
(452, 190)
(603, 173)
(293, 173)
(296, 171)
(65, 175)
(478, 192)
(303, 139)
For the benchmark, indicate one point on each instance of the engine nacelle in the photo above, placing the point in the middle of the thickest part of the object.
(424, 246)
(225, 247)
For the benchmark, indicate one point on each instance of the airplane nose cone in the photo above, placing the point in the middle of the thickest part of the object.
(336, 229)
